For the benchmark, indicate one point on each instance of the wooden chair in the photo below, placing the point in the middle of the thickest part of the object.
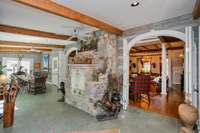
(37, 86)
(140, 87)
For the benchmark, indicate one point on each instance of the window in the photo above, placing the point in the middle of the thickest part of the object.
(147, 67)
(11, 65)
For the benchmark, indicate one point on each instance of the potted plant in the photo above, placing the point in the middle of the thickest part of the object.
(3, 77)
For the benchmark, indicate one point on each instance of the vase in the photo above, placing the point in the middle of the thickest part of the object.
(188, 115)
(8, 113)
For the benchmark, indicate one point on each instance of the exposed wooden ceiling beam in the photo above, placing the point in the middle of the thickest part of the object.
(196, 10)
(157, 46)
(140, 55)
(136, 48)
(145, 47)
(162, 39)
(17, 50)
(63, 11)
(31, 32)
(158, 50)
(148, 43)
(25, 44)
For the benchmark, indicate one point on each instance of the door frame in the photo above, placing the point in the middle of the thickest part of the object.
(128, 45)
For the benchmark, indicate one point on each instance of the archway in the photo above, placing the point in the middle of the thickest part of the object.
(69, 51)
(127, 46)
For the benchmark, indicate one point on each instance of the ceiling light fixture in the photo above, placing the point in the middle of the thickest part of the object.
(135, 3)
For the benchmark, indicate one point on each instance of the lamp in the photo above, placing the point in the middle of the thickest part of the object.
(3, 79)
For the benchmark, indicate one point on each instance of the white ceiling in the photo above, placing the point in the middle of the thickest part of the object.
(18, 15)
(31, 39)
(119, 13)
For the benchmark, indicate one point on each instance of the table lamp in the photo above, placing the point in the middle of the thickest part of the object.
(3, 79)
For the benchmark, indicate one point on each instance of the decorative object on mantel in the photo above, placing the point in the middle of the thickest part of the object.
(83, 58)
(110, 103)
(90, 43)
(189, 116)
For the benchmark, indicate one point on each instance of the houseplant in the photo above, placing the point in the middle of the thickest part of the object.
(3, 77)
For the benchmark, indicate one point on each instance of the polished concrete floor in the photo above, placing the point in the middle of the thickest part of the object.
(43, 114)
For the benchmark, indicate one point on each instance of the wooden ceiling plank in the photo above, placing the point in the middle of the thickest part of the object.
(196, 10)
(31, 32)
(145, 47)
(35, 45)
(63, 11)
(159, 50)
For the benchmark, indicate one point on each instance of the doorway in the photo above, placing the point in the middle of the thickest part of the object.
(146, 90)
(12, 64)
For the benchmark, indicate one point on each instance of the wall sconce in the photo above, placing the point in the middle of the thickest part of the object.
(154, 65)
(134, 65)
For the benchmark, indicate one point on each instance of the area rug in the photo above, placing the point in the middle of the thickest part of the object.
(102, 131)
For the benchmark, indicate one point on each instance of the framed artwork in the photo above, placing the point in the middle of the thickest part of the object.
(45, 59)
(55, 64)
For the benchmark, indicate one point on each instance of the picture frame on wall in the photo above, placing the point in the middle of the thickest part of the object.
(55, 64)
(45, 59)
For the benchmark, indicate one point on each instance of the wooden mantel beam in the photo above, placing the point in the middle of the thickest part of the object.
(25, 44)
(196, 10)
(23, 31)
(63, 11)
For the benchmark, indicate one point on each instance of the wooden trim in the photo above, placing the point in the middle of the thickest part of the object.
(133, 55)
(34, 45)
(31, 32)
(145, 48)
(196, 10)
(148, 43)
(63, 11)
(157, 50)
(17, 50)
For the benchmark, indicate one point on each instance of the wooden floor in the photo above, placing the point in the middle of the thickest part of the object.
(162, 104)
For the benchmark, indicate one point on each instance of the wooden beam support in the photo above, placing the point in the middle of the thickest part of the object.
(18, 50)
(34, 45)
(159, 50)
(63, 11)
(145, 47)
(148, 43)
(158, 46)
(31, 32)
(196, 10)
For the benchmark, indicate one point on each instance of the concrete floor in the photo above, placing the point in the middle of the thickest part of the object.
(43, 114)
